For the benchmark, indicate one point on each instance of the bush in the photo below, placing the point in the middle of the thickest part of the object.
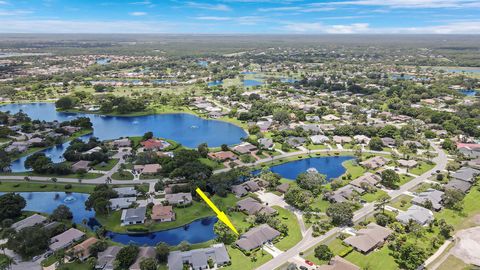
(68, 186)
(344, 252)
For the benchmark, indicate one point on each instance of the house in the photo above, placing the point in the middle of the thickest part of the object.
(388, 141)
(361, 139)
(198, 258)
(319, 139)
(122, 202)
(312, 118)
(65, 239)
(466, 174)
(252, 207)
(245, 148)
(283, 188)
(408, 163)
(342, 139)
(256, 237)
(416, 213)
(475, 163)
(82, 250)
(251, 186)
(338, 263)
(460, 185)
(368, 179)
(126, 192)
(344, 193)
(311, 128)
(133, 216)
(295, 141)
(330, 117)
(432, 195)
(28, 222)
(239, 190)
(162, 213)
(222, 155)
(375, 162)
(122, 142)
(369, 238)
(153, 144)
(179, 198)
(266, 143)
(106, 258)
(147, 168)
(81, 165)
(70, 129)
(143, 253)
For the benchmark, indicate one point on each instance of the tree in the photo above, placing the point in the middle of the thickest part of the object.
(272, 178)
(449, 145)
(99, 199)
(281, 116)
(6, 262)
(323, 253)
(382, 219)
(203, 149)
(224, 233)
(299, 198)
(11, 206)
(148, 264)
(340, 213)
(452, 198)
(62, 212)
(184, 246)
(410, 256)
(163, 250)
(147, 136)
(390, 178)
(382, 201)
(127, 256)
(65, 103)
(445, 229)
(376, 144)
(39, 163)
(98, 247)
(29, 241)
(224, 147)
(312, 181)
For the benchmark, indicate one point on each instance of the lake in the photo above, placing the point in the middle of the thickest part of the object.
(189, 130)
(330, 166)
(215, 83)
(252, 83)
(198, 231)
(469, 93)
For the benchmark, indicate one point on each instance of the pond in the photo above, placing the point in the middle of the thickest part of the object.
(252, 83)
(198, 231)
(215, 83)
(330, 166)
(189, 130)
(468, 93)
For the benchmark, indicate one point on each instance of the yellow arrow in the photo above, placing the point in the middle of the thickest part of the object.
(221, 215)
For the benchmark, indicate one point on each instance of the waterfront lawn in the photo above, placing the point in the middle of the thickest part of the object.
(212, 164)
(403, 202)
(127, 176)
(88, 175)
(107, 167)
(184, 215)
(242, 262)
(421, 168)
(375, 260)
(353, 168)
(294, 233)
(32, 186)
(371, 197)
(316, 146)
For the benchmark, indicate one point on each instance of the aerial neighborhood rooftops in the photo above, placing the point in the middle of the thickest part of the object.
(245, 148)
(143, 253)
(122, 202)
(222, 155)
(252, 207)
(416, 213)
(65, 239)
(132, 216)
(369, 238)
(368, 179)
(81, 165)
(179, 198)
(28, 222)
(162, 213)
(154, 144)
(82, 250)
(256, 237)
(198, 258)
(375, 162)
(407, 163)
(106, 258)
(466, 174)
(432, 195)
(126, 191)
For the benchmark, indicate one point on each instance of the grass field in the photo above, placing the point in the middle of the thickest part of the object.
(110, 164)
(397, 203)
(31, 186)
(242, 262)
(127, 176)
(421, 168)
(294, 233)
(463, 219)
(453, 263)
(375, 260)
(371, 197)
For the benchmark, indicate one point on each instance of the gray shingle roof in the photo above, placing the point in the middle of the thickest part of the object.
(28, 222)
(256, 237)
(198, 258)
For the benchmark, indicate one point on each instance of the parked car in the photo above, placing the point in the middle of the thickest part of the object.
(309, 262)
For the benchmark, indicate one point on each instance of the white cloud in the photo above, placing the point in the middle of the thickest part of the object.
(243, 20)
(138, 13)
(141, 3)
(217, 7)
(14, 12)
(3, 2)
(213, 18)
(319, 28)
(406, 3)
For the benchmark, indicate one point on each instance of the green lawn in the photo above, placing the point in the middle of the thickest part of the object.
(242, 262)
(397, 203)
(375, 260)
(86, 176)
(294, 233)
(336, 246)
(404, 179)
(353, 169)
(463, 219)
(184, 215)
(212, 164)
(371, 197)
(7, 186)
(320, 204)
(126, 176)
(421, 168)
(316, 146)
(75, 266)
(107, 167)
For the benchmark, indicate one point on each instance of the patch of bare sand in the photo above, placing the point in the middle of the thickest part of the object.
(467, 246)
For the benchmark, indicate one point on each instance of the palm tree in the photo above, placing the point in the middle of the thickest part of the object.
(382, 202)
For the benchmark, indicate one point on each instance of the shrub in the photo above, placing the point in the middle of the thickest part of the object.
(68, 186)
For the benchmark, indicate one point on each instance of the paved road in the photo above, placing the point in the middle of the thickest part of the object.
(309, 241)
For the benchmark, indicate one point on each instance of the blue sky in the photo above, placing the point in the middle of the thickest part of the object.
(241, 16)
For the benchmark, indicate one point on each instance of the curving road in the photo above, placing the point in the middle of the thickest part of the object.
(309, 241)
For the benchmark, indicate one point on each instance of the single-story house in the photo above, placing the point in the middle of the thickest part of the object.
(122, 202)
(342, 139)
(82, 250)
(179, 198)
(408, 163)
(419, 214)
(344, 193)
(361, 139)
(460, 185)
(466, 174)
(122, 142)
(147, 168)
(256, 237)
(162, 213)
(65, 239)
(198, 258)
(375, 162)
(251, 207)
(283, 188)
(153, 144)
(295, 141)
(338, 263)
(81, 165)
(106, 258)
(28, 222)
(432, 195)
(266, 143)
(369, 238)
(222, 155)
(126, 191)
(245, 148)
(133, 216)
(143, 253)
(368, 179)
(239, 190)
(388, 141)
(319, 139)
